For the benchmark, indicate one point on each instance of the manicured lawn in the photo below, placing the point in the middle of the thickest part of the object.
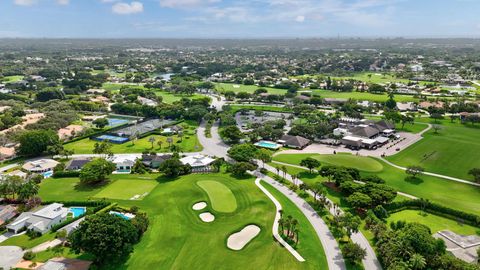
(453, 151)
(224, 87)
(448, 193)
(361, 163)
(362, 96)
(67, 253)
(170, 97)
(189, 143)
(221, 197)
(26, 242)
(417, 127)
(118, 190)
(115, 87)
(436, 223)
(309, 245)
(65, 189)
(178, 239)
(237, 107)
(11, 79)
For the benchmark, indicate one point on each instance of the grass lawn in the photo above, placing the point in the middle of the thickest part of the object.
(178, 239)
(453, 151)
(362, 96)
(67, 253)
(237, 107)
(11, 79)
(361, 163)
(221, 197)
(117, 189)
(65, 189)
(436, 223)
(26, 242)
(116, 86)
(309, 245)
(224, 87)
(168, 97)
(189, 143)
(451, 194)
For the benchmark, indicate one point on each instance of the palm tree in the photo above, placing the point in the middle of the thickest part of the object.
(417, 262)
(151, 140)
(169, 141)
(281, 223)
(278, 170)
(294, 224)
(296, 231)
(180, 135)
(160, 142)
(285, 171)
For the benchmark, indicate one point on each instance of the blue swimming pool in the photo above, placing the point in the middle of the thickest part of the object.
(122, 215)
(113, 122)
(267, 144)
(47, 174)
(78, 211)
(111, 138)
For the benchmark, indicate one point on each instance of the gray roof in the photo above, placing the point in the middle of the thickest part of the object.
(366, 132)
(142, 128)
(298, 141)
(77, 163)
(382, 125)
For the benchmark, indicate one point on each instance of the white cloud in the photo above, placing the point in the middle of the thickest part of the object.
(109, 1)
(63, 2)
(126, 8)
(186, 4)
(26, 3)
(300, 18)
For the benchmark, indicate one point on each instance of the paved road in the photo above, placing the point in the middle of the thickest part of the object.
(370, 262)
(278, 207)
(10, 256)
(213, 146)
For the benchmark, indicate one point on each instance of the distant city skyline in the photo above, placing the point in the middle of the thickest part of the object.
(238, 19)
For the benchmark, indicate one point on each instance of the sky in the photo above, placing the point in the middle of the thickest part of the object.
(238, 19)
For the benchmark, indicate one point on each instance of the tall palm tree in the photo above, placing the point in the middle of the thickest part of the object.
(417, 262)
(294, 226)
(296, 231)
(278, 170)
(151, 140)
(285, 171)
(169, 141)
(281, 223)
(160, 142)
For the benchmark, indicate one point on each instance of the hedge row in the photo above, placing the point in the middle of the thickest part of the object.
(434, 208)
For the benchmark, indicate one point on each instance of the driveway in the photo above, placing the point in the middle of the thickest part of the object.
(213, 146)
(10, 256)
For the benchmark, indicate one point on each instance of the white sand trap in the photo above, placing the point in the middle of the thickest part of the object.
(240, 239)
(207, 217)
(199, 206)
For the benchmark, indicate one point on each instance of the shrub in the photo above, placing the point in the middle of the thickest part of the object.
(65, 174)
(28, 256)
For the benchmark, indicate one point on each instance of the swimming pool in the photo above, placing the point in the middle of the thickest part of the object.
(47, 174)
(269, 145)
(126, 216)
(113, 122)
(111, 138)
(77, 211)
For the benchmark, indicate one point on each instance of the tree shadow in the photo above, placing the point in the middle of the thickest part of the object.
(86, 187)
(413, 180)
(163, 179)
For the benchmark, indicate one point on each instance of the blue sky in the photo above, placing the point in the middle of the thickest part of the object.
(242, 19)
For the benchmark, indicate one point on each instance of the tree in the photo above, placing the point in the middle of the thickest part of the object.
(100, 122)
(139, 167)
(36, 142)
(353, 252)
(350, 223)
(436, 128)
(414, 170)
(103, 148)
(173, 167)
(417, 262)
(318, 189)
(10, 185)
(49, 94)
(28, 190)
(265, 156)
(231, 134)
(310, 163)
(243, 152)
(159, 143)
(152, 140)
(475, 172)
(109, 238)
(359, 200)
(391, 103)
(241, 168)
(96, 171)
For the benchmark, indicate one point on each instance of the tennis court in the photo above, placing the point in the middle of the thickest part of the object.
(110, 138)
(113, 122)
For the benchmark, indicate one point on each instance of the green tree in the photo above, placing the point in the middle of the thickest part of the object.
(173, 167)
(109, 238)
(231, 134)
(243, 152)
(475, 172)
(28, 190)
(96, 171)
(359, 200)
(241, 168)
(350, 223)
(100, 122)
(36, 142)
(265, 156)
(414, 170)
(318, 189)
(353, 252)
(103, 148)
(310, 163)
(152, 140)
(417, 262)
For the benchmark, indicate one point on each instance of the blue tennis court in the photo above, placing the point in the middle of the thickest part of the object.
(113, 122)
(110, 138)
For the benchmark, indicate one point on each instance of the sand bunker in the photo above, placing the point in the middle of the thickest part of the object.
(199, 206)
(207, 217)
(240, 239)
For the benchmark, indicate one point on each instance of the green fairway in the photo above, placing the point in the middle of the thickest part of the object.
(127, 189)
(168, 97)
(11, 79)
(237, 88)
(237, 107)
(453, 151)
(221, 197)
(361, 163)
(448, 193)
(436, 223)
(309, 245)
(189, 143)
(362, 96)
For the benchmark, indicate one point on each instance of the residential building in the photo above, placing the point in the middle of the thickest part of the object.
(40, 166)
(41, 220)
(297, 142)
(77, 163)
(154, 161)
(198, 162)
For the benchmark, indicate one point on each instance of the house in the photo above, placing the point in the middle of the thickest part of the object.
(40, 166)
(198, 162)
(172, 130)
(77, 164)
(365, 131)
(356, 143)
(147, 101)
(154, 161)
(297, 142)
(335, 101)
(406, 106)
(41, 220)
(124, 163)
(7, 212)
(18, 173)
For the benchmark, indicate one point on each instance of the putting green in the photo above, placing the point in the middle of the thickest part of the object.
(127, 189)
(221, 197)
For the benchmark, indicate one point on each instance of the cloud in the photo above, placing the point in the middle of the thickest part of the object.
(26, 3)
(186, 4)
(126, 8)
(63, 2)
(300, 18)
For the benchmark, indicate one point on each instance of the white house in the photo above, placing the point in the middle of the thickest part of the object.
(41, 220)
(124, 163)
(40, 166)
(197, 162)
